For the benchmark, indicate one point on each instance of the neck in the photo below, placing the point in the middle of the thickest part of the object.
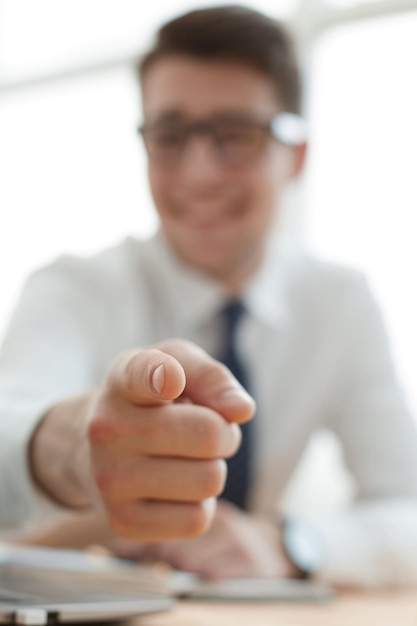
(235, 279)
(234, 276)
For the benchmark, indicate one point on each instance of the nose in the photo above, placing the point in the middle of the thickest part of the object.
(200, 159)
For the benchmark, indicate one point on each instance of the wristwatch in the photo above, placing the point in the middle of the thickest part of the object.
(303, 546)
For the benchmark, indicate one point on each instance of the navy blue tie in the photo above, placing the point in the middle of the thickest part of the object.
(239, 466)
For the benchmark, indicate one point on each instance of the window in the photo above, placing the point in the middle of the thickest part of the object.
(46, 36)
(362, 169)
(342, 4)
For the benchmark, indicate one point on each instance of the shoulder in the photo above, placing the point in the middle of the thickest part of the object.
(108, 283)
(105, 291)
(108, 262)
(304, 269)
(108, 268)
(323, 285)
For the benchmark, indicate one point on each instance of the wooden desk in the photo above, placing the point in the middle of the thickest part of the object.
(349, 609)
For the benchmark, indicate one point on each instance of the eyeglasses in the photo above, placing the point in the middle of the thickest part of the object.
(236, 141)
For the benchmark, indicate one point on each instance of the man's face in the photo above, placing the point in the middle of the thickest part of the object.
(216, 213)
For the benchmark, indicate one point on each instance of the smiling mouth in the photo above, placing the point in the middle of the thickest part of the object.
(209, 215)
(210, 223)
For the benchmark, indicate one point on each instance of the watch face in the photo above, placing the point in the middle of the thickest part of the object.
(304, 546)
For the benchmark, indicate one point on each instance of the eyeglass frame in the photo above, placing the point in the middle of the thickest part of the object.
(287, 128)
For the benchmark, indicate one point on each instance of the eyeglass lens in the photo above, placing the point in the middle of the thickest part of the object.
(232, 141)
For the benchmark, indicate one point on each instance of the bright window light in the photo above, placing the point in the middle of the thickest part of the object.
(362, 169)
(47, 36)
(72, 173)
(343, 4)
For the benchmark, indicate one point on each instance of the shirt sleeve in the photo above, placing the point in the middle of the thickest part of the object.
(48, 354)
(373, 543)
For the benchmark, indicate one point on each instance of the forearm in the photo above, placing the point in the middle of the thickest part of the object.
(58, 455)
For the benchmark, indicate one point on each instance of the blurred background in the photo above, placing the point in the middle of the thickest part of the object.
(73, 177)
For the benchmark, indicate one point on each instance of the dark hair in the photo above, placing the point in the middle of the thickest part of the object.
(233, 33)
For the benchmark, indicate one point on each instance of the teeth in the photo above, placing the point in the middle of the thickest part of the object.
(205, 208)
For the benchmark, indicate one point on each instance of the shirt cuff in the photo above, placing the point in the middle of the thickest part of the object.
(370, 545)
(22, 504)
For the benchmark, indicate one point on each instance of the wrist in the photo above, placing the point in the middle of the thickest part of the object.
(279, 565)
(58, 455)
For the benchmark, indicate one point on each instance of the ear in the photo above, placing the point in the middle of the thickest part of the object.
(299, 158)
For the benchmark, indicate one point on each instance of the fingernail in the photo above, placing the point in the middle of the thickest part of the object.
(158, 378)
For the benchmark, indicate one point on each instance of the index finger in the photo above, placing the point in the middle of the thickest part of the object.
(210, 383)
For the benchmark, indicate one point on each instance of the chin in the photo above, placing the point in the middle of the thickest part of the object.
(217, 263)
(206, 258)
(209, 265)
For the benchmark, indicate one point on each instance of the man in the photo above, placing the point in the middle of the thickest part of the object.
(144, 443)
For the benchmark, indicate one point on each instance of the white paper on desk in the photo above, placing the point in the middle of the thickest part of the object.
(249, 589)
(48, 558)
(82, 568)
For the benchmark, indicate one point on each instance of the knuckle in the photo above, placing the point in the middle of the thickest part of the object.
(114, 518)
(213, 478)
(107, 483)
(144, 521)
(118, 521)
(211, 436)
(121, 480)
(218, 370)
(128, 521)
(139, 521)
(100, 430)
(234, 440)
(125, 429)
(196, 520)
(215, 375)
(149, 524)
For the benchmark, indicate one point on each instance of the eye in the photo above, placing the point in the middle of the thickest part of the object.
(163, 140)
(239, 138)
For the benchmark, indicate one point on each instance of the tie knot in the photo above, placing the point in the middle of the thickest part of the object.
(232, 314)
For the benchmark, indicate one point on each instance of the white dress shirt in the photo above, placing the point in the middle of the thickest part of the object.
(315, 347)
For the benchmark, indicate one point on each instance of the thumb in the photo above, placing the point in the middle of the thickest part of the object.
(146, 376)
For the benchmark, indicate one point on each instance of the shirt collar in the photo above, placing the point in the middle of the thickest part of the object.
(266, 295)
(196, 298)
(191, 296)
